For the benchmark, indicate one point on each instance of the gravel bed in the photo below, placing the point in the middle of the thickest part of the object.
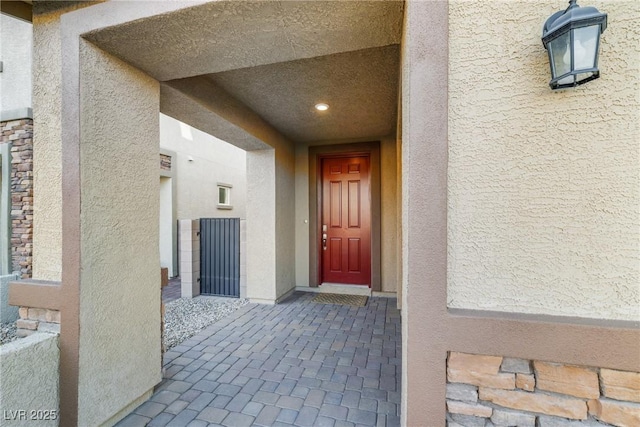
(7, 332)
(185, 317)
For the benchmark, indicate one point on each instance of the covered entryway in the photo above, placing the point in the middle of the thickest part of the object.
(346, 220)
(256, 92)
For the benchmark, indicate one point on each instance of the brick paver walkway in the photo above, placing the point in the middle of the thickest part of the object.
(172, 291)
(296, 363)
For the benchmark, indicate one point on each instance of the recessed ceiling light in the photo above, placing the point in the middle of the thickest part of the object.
(322, 107)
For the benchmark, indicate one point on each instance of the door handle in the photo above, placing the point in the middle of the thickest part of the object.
(324, 241)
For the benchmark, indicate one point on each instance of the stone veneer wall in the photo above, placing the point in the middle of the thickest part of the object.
(20, 134)
(34, 319)
(485, 391)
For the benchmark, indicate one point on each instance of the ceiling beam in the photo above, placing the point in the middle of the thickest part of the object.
(18, 9)
(217, 100)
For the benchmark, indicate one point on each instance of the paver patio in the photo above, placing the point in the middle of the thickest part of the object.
(172, 291)
(296, 363)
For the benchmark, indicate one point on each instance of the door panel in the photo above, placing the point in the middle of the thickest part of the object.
(335, 201)
(354, 204)
(335, 253)
(346, 213)
(354, 255)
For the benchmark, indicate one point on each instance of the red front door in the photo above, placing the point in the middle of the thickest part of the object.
(346, 220)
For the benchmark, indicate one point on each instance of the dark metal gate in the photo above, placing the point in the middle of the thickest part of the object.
(220, 257)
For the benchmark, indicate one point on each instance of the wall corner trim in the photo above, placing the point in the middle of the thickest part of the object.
(35, 293)
(544, 318)
(613, 344)
(17, 114)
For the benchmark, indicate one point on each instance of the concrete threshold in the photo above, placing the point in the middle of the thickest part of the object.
(338, 288)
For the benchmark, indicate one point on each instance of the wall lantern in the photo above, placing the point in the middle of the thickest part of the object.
(572, 38)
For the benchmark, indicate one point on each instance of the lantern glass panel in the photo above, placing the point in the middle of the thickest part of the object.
(583, 76)
(560, 55)
(585, 47)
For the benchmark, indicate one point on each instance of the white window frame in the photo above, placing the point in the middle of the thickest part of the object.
(5, 208)
(227, 203)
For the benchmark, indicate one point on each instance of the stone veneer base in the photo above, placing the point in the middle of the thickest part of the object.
(499, 391)
(19, 133)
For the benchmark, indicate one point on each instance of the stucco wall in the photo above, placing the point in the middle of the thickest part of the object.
(389, 213)
(261, 231)
(285, 212)
(47, 139)
(120, 271)
(29, 381)
(270, 259)
(15, 53)
(302, 215)
(47, 181)
(544, 187)
(8, 313)
(214, 161)
(269, 246)
(166, 225)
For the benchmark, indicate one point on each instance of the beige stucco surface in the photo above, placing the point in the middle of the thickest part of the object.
(424, 148)
(270, 257)
(544, 187)
(47, 181)
(240, 34)
(213, 161)
(261, 233)
(389, 214)
(29, 381)
(269, 208)
(47, 168)
(285, 213)
(205, 106)
(47, 80)
(302, 217)
(166, 225)
(347, 81)
(120, 271)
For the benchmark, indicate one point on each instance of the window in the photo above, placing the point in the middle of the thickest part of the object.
(224, 196)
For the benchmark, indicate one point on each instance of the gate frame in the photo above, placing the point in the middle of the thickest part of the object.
(235, 265)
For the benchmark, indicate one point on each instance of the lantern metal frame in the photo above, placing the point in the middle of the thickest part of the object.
(566, 22)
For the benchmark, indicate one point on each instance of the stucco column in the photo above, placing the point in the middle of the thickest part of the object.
(285, 219)
(190, 257)
(110, 334)
(424, 196)
(261, 226)
(118, 236)
(47, 146)
(270, 258)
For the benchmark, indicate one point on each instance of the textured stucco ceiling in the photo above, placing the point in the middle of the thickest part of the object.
(277, 58)
(360, 88)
